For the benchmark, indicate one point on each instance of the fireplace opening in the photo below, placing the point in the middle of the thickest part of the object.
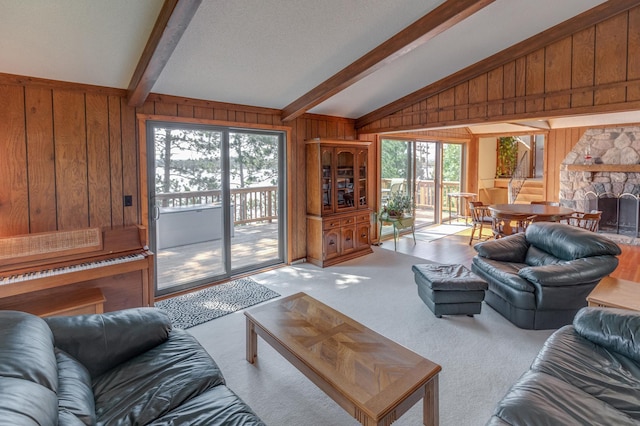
(620, 213)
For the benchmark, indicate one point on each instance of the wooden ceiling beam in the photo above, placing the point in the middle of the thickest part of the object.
(172, 22)
(586, 19)
(433, 23)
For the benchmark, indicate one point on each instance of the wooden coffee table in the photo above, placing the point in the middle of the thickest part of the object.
(373, 378)
(615, 293)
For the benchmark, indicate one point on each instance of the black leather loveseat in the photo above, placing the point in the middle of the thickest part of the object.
(539, 279)
(125, 368)
(587, 373)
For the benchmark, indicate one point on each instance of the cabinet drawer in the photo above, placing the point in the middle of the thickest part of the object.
(331, 223)
(348, 221)
(363, 217)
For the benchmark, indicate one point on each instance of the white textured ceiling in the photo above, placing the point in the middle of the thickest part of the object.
(262, 52)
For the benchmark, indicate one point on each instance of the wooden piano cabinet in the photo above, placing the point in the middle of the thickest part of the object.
(116, 275)
(83, 301)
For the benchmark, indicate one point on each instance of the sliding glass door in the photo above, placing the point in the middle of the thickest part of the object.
(426, 170)
(215, 202)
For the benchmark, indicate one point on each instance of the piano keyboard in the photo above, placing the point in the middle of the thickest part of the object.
(67, 269)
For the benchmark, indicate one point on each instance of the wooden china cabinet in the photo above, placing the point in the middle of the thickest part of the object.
(338, 211)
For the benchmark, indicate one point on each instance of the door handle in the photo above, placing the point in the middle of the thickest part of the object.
(156, 213)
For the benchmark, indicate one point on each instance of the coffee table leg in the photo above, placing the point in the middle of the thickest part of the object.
(252, 342)
(431, 409)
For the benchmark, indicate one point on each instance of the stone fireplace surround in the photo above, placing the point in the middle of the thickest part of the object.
(602, 172)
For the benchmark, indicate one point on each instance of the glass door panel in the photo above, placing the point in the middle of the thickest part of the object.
(452, 180)
(254, 179)
(215, 203)
(397, 173)
(363, 200)
(187, 207)
(345, 179)
(327, 180)
(426, 195)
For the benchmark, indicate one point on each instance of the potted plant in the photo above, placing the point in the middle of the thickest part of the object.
(397, 205)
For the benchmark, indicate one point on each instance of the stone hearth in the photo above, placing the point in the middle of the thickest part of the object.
(602, 172)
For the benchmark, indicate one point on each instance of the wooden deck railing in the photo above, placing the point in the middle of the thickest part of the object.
(249, 204)
(261, 203)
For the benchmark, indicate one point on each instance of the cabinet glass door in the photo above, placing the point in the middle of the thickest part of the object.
(363, 200)
(327, 180)
(345, 177)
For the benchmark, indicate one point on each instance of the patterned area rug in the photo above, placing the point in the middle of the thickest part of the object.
(201, 306)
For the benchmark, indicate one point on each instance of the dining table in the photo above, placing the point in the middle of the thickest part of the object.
(542, 212)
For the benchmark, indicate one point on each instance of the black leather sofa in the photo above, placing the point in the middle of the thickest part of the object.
(126, 368)
(587, 373)
(539, 279)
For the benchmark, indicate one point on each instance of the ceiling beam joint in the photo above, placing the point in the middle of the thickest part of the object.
(172, 22)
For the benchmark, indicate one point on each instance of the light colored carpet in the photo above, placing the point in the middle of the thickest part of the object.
(480, 357)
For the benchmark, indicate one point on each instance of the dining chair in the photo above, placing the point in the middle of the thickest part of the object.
(589, 221)
(480, 216)
(504, 224)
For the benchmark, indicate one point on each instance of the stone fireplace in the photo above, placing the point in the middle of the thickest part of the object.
(602, 172)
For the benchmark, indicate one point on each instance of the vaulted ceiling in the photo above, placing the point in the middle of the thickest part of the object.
(344, 58)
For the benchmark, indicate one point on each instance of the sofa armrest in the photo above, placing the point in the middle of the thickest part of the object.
(573, 272)
(102, 341)
(615, 329)
(507, 249)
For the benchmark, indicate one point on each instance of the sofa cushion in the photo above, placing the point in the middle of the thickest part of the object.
(28, 371)
(569, 273)
(505, 272)
(615, 329)
(75, 395)
(537, 257)
(540, 399)
(218, 406)
(508, 249)
(568, 242)
(154, 383)
(100, 342)
(594, 369)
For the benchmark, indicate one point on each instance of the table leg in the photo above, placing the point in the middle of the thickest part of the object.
(431, 411)
(252, 342)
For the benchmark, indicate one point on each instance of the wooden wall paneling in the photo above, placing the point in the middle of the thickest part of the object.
(535, 80)
(220, 114)
(521, 85)
(582, 66)
(446, 100)
(14, 189)
(166, 108)
(116, 158)
(407, 116)
(633, 55)
(130, 163)
(611, 61)
(185, 111)
(495, 92)
(558, 74)
(509, 88)
(98, 164)
(41, 160)
(461, 99)
(71, 159)
(296, 190)
(432, 109)
(202, 112)
(478, 95)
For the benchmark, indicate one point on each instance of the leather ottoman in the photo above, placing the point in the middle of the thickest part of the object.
(449, 289)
